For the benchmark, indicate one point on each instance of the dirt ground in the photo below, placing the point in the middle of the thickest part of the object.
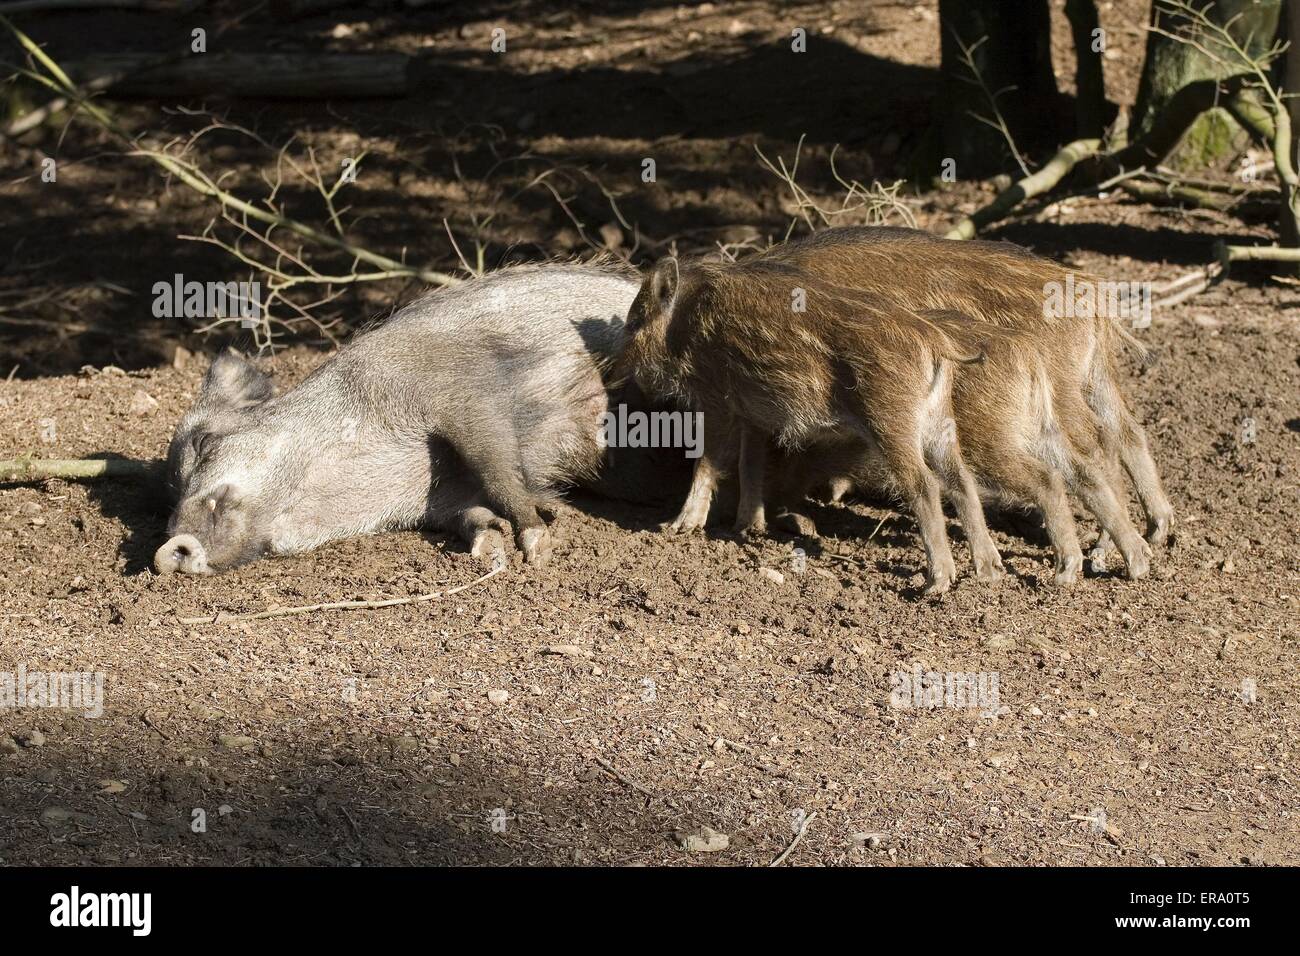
(1138, 723)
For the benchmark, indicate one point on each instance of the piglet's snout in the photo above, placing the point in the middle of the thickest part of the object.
(183, 553)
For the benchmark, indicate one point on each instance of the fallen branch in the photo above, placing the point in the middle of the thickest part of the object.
(1232, 94)
(1040, 182)
(622, 778)
(29, 121)
(221, 617)
(1226, 253)
(1187, 286)
(20, 469)
(1261, 205)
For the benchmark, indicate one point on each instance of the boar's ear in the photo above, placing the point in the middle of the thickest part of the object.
(233, 382)
(663, 285)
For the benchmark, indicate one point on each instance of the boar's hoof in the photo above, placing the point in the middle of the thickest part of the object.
(488, 543)
(839, 487)
(753, 528)
(689, 520)
(1097, 560)
(183, 553)
(535, 543)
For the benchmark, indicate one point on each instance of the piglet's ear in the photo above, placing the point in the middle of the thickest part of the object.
(663, 284)
(234, 382)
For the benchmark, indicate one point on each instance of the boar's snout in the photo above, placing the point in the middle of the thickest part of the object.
(183, 553)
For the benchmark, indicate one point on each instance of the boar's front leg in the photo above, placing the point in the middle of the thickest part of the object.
(493, 456)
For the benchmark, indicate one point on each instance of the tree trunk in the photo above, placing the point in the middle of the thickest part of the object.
(1289, 220)
(1090, 108)
(1171, 65)
(1014, 62)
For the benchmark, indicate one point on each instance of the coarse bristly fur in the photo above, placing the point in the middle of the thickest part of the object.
(798, 360)
(1000, 284)
(467, 410)
(1026, 433)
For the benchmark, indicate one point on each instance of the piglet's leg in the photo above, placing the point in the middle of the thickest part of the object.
(923, 493)
(921, 489)
(750, 517)
(943, 453)
(970, 512)
(717, 454)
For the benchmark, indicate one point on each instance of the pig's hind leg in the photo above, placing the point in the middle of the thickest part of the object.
(1125, 440)
(483, 531)
(963, 491)
(493, 457)
(921, 489)
(1090, 479)
(1024, 478)
(903, 440)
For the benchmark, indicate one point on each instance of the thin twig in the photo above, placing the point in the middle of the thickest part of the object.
(196, 178)
(620, 777)
(999, 122)
(803, 828)
(222, 617)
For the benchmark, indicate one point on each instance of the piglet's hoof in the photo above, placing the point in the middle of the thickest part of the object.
(939, 577)
(753, 528)
(1138, 562)
(937, 584)
(989, 569)
(1067, 570)
(791, 522)
(535, 543)
(691, 519)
